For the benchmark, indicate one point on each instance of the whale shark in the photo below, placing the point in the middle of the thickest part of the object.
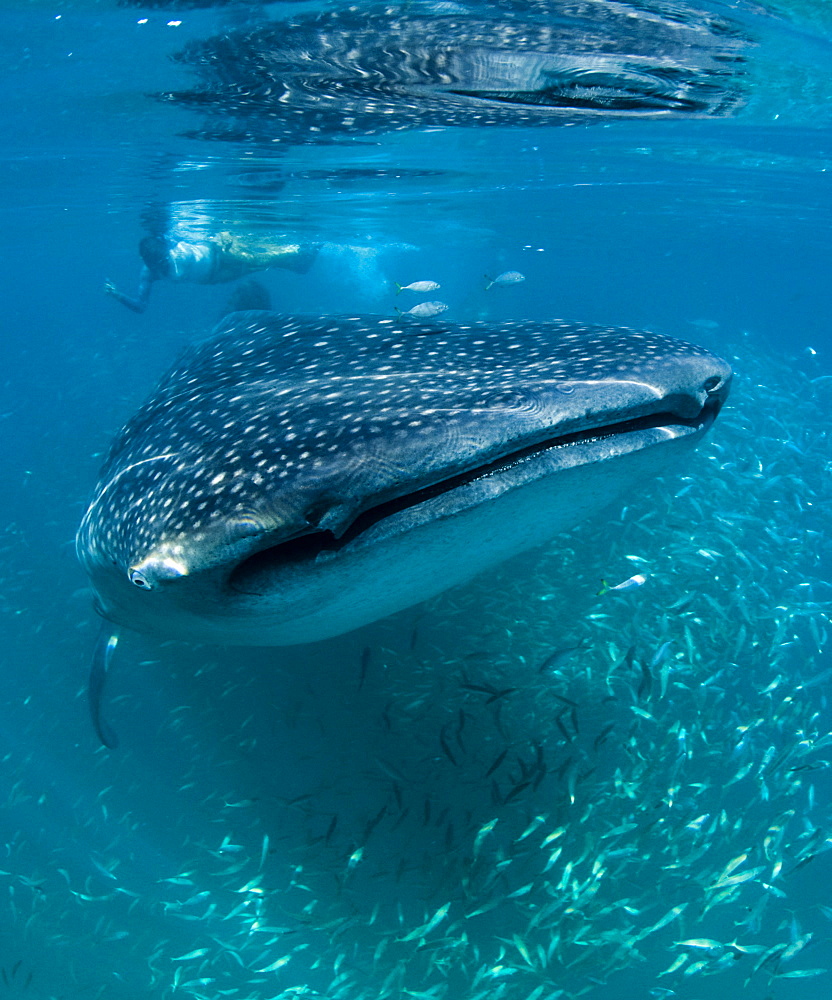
(293, 478)
(321, 76)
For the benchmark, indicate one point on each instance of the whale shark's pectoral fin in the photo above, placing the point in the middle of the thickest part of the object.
(102, 656)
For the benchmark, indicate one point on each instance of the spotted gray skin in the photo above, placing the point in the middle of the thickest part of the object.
(293, 478)
(496, 63)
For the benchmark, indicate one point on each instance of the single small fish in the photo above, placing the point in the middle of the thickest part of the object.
(535, 823)
(559, 833)
(482, 833)
(506, 278)
(746, 949)
(633, 583)
(661, 654)
(675, 965)
(102, 870)
(499, 694)
(252, 886)
(564, 699)
(417, 286)
(278, 964)
(490, 905)
(226, 847)
(564, 731)
(105, 648)
(445, 748)
(424, 310)
(732, 864)
(196, 953)
(183, 879)
(434, 921)
(497, 761)
(521, 946)
(553, 857)
(704, 324)
(554, 661)
(365, 663)
(703, 944)
(331, 829)
(521, 786)
(481, 688)
(601, 738)
(663, 922)
(799, 973)
(729, 880)
(617, 831)
(646, 683)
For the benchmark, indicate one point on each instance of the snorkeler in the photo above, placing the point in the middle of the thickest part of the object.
(212, 261)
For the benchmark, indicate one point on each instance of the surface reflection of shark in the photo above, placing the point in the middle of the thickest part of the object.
(539, 62)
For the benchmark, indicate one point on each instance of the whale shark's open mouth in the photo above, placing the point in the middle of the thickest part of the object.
(247, 576)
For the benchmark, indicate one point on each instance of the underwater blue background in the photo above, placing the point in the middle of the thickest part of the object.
(715, 230)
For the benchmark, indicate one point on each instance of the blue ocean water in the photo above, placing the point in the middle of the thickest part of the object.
(294, 822)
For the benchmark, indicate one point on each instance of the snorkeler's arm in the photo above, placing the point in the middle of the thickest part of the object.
(139, 303)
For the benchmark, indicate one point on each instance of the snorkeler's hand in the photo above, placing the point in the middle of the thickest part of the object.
(138, 305)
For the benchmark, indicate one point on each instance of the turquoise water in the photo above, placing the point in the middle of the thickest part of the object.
(375, 764)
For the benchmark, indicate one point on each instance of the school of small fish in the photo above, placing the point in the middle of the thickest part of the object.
(427, 310)
(523, 790)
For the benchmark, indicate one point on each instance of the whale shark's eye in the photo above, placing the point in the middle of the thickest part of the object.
(138, 579)
(714, 382)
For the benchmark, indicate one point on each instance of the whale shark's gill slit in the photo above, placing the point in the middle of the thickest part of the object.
(310, 545)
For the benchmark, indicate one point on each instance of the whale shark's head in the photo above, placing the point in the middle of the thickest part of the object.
(293, 478)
